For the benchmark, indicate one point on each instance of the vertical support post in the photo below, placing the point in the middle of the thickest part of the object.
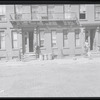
(23, 42)
(31, 11)
(82, 39)
(97, 39)
(47, 11)
(63, 11)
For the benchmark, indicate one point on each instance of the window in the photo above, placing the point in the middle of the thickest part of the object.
(42, 38)
(2, 12)
(82, 12)
(18, 11)
(67, 9)
(2, 40)
(55, 11)
(97, 11)
(14, 40)
(65, 38)
(54, 35)
(77, 38)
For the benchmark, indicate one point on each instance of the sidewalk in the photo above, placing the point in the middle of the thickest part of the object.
(69, 60)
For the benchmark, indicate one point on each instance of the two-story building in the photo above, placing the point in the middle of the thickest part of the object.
(58, 29)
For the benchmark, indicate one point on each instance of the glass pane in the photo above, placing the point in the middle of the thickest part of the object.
(97, 15)
(2, 34)
(66, 43)
(82, 16)
(2, 44)
(42, 43)
(14, 35)
(19, 9)
(65, 36)
(15, 44)
(67, 8)
(97, 9)
(2, 38)
(2, 9)
(54, 44)
(77, 35)
(26, 9)
(41, 34)
(54, 41)
(55, 8)
(82, 8)
(77, 42)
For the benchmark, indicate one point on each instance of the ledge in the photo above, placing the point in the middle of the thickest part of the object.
(96, 19)
(15, 49)
(2, 49)
(83, 20)
(3, 21)
(66, 48)
(54, 47)
(42, 48)
(78, 47)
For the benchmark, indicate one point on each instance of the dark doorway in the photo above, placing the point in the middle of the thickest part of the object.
(92, 35)
(30, 41)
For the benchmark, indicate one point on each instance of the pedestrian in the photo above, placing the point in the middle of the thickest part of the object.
(86, 48)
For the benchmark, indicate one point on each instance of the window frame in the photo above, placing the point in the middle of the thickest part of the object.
(41, 39)
(53, 39)
(85, 12)
(13, 39)
(95, 12)
(77, 38)
(64, 38)
(3, 15)
(3, 40)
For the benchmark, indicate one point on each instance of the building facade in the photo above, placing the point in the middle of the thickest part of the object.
(58, 29)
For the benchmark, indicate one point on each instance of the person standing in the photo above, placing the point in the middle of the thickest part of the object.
(86, 48)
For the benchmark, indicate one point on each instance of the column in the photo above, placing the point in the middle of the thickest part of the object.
(23, 42)
(97, 38)
(82, 30)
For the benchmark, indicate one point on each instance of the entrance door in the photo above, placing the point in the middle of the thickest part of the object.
(92, 40)
(29, 42)
(90, 36)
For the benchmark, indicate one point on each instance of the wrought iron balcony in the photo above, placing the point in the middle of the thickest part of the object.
(43, 16)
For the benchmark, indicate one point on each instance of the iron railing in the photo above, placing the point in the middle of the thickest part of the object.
(43, 16)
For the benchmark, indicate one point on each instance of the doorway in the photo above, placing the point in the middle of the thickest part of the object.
(29, 37)
(92, 38)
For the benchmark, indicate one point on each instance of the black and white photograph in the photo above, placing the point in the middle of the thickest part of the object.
(50, 50)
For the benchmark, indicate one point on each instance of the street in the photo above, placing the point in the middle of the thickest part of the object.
(54, 78)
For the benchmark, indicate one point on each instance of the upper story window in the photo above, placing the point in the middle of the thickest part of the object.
(67, 10)
(2, 40)
(23, 12)
(97, 11)
(55, 11)
(39, 11)
(82, 12)
(2, 12)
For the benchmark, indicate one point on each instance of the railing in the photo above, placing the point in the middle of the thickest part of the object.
(42, 16)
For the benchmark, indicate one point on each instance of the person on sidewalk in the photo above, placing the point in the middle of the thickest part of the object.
(86, 48)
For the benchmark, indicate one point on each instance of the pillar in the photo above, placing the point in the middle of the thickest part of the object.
(97, 38)
(82, 30)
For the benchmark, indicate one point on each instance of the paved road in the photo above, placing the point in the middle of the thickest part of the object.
(58, 78)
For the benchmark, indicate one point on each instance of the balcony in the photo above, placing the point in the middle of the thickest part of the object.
(37, 17)
(42, 16)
